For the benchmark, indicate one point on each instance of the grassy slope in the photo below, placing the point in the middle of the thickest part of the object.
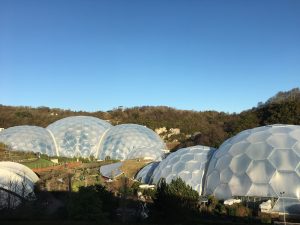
(39, 163)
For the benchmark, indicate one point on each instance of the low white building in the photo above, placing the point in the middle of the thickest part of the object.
(161, 130)
(54, 161)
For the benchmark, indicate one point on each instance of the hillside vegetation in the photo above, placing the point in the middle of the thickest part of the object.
(197, 127)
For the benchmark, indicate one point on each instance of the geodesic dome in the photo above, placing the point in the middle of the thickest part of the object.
(20, 170)
(119, 141)
(152, 153)
(146, 172)
(28, 138)
(16, 184)
(263, 161)
(78, 136)
(86, 136)
(189, 164)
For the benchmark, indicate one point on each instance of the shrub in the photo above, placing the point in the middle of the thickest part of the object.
(93, 203)
(175, 197)
(238, 210)
(220, 209)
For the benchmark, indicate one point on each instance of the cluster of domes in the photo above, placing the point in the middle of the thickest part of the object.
(16, 184)
(260, 162)
(85, 136)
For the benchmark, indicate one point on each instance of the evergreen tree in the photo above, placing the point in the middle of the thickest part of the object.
(175, 201)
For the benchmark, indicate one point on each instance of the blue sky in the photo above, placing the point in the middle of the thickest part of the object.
(199, 55)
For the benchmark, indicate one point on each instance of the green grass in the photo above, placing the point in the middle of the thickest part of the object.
(39, 163)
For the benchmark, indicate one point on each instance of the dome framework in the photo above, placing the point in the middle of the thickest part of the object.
(189, 164)
(86, 137)
(28, 138)
(16, 184)
(260, 162)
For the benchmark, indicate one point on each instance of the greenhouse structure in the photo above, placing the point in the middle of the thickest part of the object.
(261, 164)
(86, 136)
(258, 164)
(16, 184)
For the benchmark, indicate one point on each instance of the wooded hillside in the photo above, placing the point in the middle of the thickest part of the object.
(205, 127)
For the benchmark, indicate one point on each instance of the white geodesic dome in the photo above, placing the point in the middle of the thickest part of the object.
(122, 140)
(20, 170)
(16, 183)
(144, 175)
(86, 136)
(263, 161)
(78, 136)
(152, 153)
(189, 164)
(28, 138)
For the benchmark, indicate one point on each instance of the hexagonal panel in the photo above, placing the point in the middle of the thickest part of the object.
(201, 157)
(260, 171)
(223, 191)
(242, 136)
(284, 159)
(213, 180)
(226, 175)
(259, 190)
(223, 162)
(287, 182)
(295, 134)
(166, 170)
(259, 151)
(240, 185)
(174, 160)
(223, 150)
(187, 157)
(212, 164)
(259, 136)
(193, 165)
(281, 141)
(240, 164)
(280, 129)
(197, 176)
(238, 148)
(178, 167)
(185, 175)
(298, 170)
(259, 129)
(296, 148)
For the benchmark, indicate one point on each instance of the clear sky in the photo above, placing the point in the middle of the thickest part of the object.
(199, 55)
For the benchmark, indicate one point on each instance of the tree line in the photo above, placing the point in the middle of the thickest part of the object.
(197, 127)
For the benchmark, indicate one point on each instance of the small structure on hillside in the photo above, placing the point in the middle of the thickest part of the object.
(232, 201)
(161, 130)
(54, 161)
